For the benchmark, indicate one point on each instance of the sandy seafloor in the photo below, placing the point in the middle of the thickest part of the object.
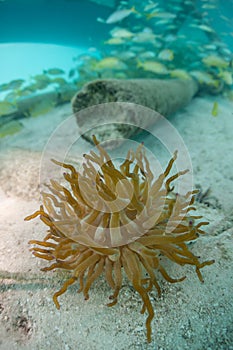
(189, 315)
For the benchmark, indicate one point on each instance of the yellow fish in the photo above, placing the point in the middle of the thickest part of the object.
(10, 128)
(214, 111)
(121, 33)
(180, 74)
(215, 61)
(7, 108)
(109, 63)
(166, 55)
(114, 41)
(226, 77)
(153, 66)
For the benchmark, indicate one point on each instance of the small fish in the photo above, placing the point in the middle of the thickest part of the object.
(59, 81)
(10, 128)
(226, 51)
(166, 55)
(54, 71)
(40, 85)
(119, 15)
(4, 87)
(12, 96)
(177, 8)
(12, 85)
(189, 3)
(7, 108)
(214, 111)
(152, 15)
(150, 6)
(144, 37)
(170, 38)
(15, 84)
(203, 77)
(71, 73)
(28, 90)
(24, 92)
(162, 22)
(146, 54)
(209, 7)
(210, 47)
(164, 15)
(136, 49)
(202, 27)
(121, 33)
(226, 77)
(92, 49)
(83, 58)
(180, 74)
(215, 61)
(153, 66)
(171, 27)
(120, 75)
(100, 20)
(126, 55)
(109, 63)
(114, 41)
(41, 77)
(225, 18)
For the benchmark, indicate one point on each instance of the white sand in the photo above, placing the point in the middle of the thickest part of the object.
(189, 315)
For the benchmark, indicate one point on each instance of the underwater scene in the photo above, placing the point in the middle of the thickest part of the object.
(116, 176)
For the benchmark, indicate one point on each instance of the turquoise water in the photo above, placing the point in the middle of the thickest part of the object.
(39, 35)
(50, 50)
(28, 58)
(54, 48)
(60, 22)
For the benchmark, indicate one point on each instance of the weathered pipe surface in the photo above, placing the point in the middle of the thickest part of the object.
(162, 96)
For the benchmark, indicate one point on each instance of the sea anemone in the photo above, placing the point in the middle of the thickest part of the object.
(111, 219)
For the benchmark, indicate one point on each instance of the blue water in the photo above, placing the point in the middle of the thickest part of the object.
(62, 22)
(73, 23)
(27, 59)
(57, 45)
(42, 34)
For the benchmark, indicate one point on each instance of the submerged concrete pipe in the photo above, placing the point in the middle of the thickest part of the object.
(162, 96)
